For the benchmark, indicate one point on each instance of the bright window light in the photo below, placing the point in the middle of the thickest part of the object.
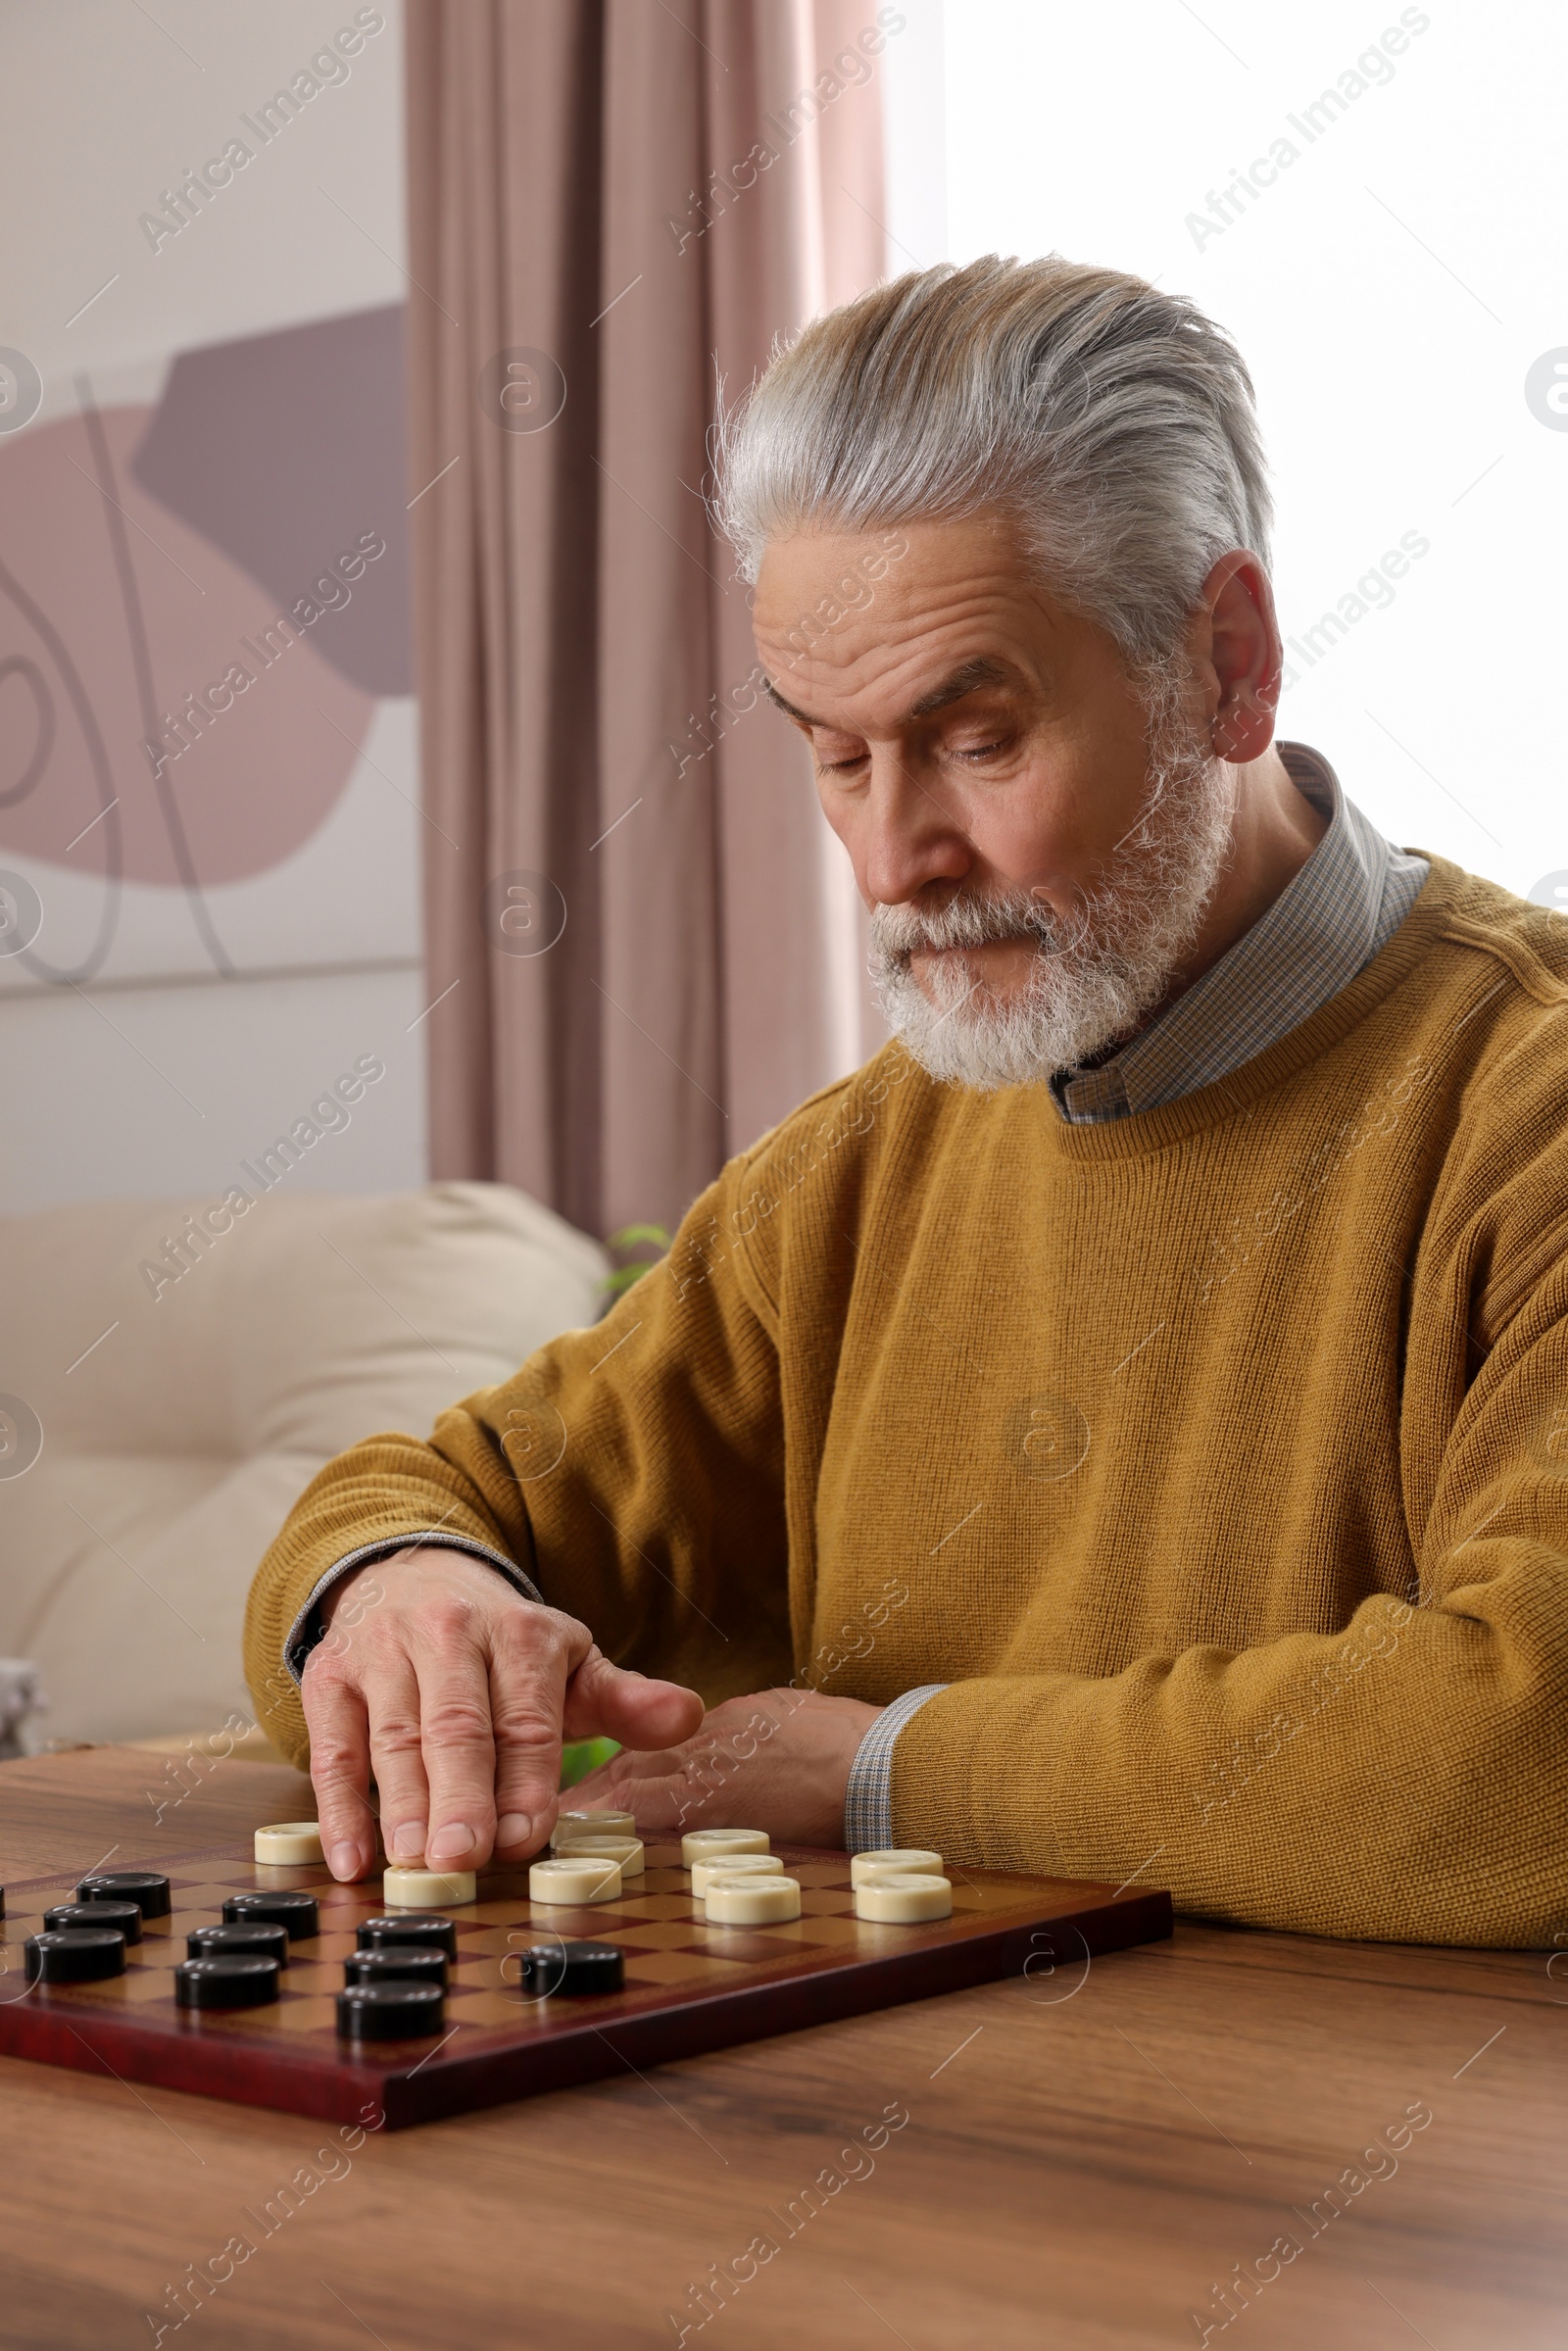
(1368, 197)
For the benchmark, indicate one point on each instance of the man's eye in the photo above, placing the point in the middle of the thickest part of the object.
(980, 751)
(828, 766)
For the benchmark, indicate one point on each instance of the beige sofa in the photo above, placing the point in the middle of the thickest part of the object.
(178, 1428)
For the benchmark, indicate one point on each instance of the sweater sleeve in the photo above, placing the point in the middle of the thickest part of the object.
(1404, 1778)
(633, 1472)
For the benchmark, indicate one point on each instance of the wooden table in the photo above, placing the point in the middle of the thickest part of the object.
(1085, 2157)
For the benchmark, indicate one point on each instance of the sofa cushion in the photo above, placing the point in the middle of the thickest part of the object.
(180, 1417)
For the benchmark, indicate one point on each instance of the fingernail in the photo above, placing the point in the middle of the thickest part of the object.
(513, 1829)
(344, 1860)
(456, 1837)
(409, 1838)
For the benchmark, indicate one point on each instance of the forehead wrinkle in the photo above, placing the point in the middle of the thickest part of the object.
(983, 669)
(788, 708)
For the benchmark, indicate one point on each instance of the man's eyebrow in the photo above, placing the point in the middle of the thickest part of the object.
(788, 708)
(985, 669)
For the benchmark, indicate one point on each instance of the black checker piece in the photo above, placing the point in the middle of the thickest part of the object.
(145, 1888)
(258, 1939)
(425, 1928)
(126, 1917)
(398, 1963)
(74, 1956)
(568, 1970)
(241, 1979)
(300, 1913)
(396, 2010)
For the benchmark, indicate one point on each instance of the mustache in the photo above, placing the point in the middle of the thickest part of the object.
(972, 918)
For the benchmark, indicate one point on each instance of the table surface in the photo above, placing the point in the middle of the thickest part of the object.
(1086, 2157)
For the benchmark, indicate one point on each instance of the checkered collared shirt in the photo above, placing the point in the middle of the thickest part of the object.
(1339, 911)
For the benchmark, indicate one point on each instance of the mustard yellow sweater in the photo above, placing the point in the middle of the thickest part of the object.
(1217, 1457)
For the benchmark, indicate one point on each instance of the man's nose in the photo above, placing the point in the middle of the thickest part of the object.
(912, 838)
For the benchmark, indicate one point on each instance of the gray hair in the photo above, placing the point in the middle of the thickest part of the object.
(1115, 423)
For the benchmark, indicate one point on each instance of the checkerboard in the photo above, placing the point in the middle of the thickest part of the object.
(689, 1986)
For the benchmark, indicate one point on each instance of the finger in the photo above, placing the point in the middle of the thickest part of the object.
(456, 1737)
(340, 1766)
(614, 1785)
(604, 1701)
(606, 1780)
(677, 1786)
(533, 1659)
(703, 1752)
(392, 1700)
(663, 1800)
(720, 1777)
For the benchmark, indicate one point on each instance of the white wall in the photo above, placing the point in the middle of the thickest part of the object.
(158, 1075)
(105, 103)
(1391, 292)
(914, 80)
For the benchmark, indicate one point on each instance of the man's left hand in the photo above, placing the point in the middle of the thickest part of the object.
(779, 1760)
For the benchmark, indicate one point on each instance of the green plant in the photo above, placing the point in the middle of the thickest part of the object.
(585, 1756)
(633, 1237)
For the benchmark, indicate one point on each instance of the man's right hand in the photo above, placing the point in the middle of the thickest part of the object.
(439, 1678)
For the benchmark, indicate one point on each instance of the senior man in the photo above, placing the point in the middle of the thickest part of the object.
(1124, 1428)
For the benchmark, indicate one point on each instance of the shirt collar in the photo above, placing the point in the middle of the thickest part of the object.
(1304, 948)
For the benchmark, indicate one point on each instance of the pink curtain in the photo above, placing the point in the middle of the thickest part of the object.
(645, 945)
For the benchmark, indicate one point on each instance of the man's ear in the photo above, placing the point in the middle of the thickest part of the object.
(1240, 657)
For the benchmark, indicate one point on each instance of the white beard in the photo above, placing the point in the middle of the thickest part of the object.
(1097, 973)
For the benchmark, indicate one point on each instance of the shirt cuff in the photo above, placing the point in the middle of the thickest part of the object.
(868, 1797)
(307, 1629)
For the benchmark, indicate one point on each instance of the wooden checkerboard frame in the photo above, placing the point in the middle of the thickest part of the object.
(690, 1986)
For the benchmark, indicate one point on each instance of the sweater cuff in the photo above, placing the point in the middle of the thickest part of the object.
(868, 1797)
(307, 1629)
